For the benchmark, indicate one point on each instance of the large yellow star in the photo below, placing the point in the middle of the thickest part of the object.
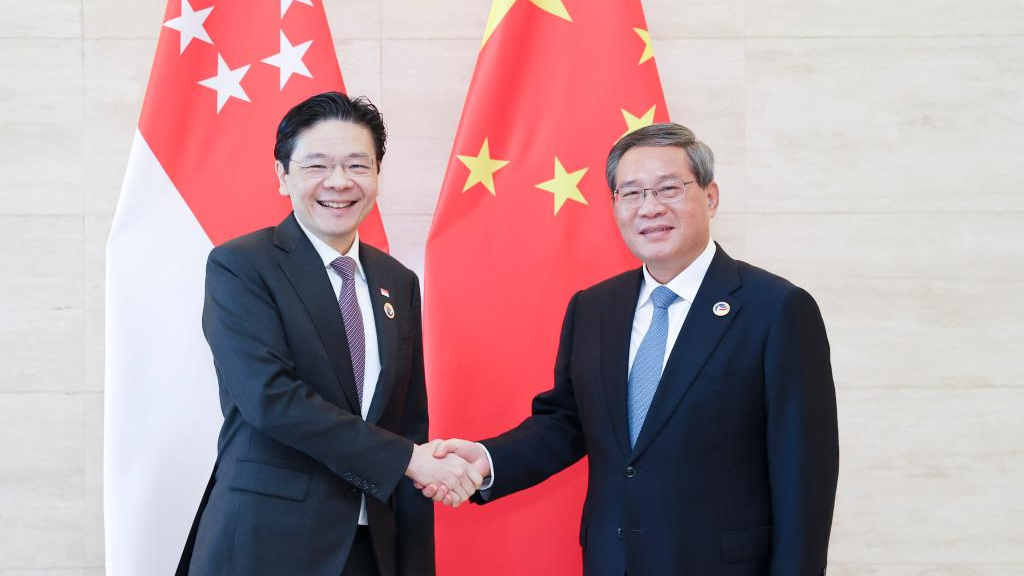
(499, 8)
(482, 168)
(565, 185)
(634, 123)
(648, 49)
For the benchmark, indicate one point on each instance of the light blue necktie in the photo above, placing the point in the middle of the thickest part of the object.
(647, 365)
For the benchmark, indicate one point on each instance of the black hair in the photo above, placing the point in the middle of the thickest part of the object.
(328, 106)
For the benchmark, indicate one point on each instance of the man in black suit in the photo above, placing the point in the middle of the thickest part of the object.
(699, 387)
(317, 342)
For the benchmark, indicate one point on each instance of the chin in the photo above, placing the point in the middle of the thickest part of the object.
(660, 257)
(339, 233)
(337, 225)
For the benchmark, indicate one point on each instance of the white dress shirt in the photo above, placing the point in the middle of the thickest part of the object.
(685, 285)
(372, 371)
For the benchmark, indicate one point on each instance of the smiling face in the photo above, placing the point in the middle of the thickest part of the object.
(331, 206)
(667, 237)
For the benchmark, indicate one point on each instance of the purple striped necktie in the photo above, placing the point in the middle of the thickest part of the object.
(353, 319)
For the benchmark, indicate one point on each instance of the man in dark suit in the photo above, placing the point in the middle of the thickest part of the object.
(317, 342)
(699, 387)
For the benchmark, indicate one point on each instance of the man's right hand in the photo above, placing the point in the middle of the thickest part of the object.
(472, 452)
(449, 472)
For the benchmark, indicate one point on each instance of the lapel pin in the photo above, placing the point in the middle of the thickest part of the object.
(389, 310)
(385, 293)
(721, 309)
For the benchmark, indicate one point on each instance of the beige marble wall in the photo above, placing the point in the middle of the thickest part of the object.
(868, 151)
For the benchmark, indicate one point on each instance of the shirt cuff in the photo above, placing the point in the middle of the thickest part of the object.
(489, 481)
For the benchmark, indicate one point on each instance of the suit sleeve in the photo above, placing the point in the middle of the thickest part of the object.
(414, 514)
(550, 439)
(254, 365)
(802, 437)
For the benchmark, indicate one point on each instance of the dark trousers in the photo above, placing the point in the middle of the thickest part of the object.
(361, 559)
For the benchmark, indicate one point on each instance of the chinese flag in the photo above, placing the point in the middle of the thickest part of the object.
(200, 172)
(524, 220)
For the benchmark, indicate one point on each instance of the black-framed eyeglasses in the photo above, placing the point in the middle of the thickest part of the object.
(355, 166)
(667, 192)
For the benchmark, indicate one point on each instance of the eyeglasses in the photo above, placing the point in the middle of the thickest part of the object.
(358, 166)
(666, 192)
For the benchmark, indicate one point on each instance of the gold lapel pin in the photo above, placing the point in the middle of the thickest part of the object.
(721, 309)
(389, 310)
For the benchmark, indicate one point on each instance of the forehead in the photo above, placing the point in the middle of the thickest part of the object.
(642, 162)
(334, 137)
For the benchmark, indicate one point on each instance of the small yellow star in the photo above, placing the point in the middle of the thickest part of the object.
(500, 8)
(648, 49)
(482, 168)
(565, 185)
(634, 123)
(553, 7)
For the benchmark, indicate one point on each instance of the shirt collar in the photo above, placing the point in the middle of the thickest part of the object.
(328, 254)
(686, 283)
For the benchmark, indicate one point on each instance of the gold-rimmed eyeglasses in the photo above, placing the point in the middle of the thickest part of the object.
(667, 192)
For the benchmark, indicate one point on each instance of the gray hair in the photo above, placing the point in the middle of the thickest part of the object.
(702, 159)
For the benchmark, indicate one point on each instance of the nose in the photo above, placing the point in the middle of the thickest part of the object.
(651, 206)
(337, 178)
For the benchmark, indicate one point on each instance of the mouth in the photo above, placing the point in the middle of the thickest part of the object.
(655, 231)
(336, 205)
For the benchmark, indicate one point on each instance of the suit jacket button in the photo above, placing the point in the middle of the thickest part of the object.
(630, 472)
(620, 533)
(372, 489)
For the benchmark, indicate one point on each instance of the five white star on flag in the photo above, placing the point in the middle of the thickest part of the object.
(190, 24)
(289, 59)
(227, 82)
(286, 3)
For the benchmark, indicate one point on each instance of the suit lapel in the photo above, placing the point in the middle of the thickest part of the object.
(616, 328)
(305, 271)
(378, 276)
(697, 339)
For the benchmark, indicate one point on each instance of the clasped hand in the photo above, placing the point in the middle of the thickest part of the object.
(444, 474)
(478, 468)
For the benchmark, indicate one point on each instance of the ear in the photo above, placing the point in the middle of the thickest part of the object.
(279, 169)
(712, 192)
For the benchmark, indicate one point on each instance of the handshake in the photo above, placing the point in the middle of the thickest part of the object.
(449, 471)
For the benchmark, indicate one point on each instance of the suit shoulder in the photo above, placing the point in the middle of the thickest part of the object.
(617, 282)
(246, 248)
(384, 259)
(627, 282)
(767, 286)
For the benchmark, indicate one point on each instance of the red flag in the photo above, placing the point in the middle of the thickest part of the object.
(524, 220)
(200, 172)
(219, 88)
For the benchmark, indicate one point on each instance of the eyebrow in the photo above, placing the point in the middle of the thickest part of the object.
(321, 156)
(659, 178)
